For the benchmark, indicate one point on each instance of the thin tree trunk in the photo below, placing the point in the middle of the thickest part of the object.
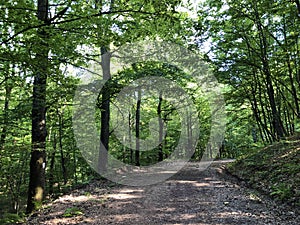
(137, 128)
(270, 136)
(291, 76)
(36, 189)
(129, 135)
(51, 169)
(8, 90)
(62, 157)
(161, 127)
(257, 117)
(276, 120)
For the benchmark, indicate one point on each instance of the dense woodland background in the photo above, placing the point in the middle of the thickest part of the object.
(251, 47)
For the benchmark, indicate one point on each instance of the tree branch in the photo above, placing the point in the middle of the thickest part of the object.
(73, 20)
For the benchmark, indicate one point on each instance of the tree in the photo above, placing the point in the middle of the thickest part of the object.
(138, 20)
(33, 55)
(137, 126)
(255, 52)
(36, 190)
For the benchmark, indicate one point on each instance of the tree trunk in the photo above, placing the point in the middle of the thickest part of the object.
(105, 112)
(62, 157)
(290, 73)
(105, 106)
(129, 135)
(8, 90)
(51, 168)
(137, 128)
(161, 127)
(276, 120)
(36, 189)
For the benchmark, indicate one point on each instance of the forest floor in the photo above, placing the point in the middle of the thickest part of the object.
(191, 196)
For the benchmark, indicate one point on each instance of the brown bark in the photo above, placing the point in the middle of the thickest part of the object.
(8, 90)
(161, 127)
(105, 112)
(137, 128)
(276, 120)
(129, 135)
(36, 189)
(51, 168)
(62, 157)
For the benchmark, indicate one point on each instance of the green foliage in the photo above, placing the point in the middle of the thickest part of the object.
(274, 169)
(149, 104)
(10, 218)
(281, 191)
(74, 32)
(72, 212)
(254, 52)
(253, 47)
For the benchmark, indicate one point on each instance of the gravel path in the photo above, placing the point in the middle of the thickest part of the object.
(189, 197)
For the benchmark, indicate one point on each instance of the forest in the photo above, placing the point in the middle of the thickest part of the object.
(196, 80)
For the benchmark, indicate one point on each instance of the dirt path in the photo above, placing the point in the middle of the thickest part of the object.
(190, 197)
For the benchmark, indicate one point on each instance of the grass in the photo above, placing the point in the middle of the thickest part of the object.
(11, 218)
(274, 170)
(71, 212)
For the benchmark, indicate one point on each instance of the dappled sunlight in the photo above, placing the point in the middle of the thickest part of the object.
(120, 196)
(80, 198)
(185, 182)
(126, 193)
(77, 220)
(168, 209)
(131, 190)
(124, 217)
(189, 197)
(287, 154)
(38, 194)
(239, 215)
(193, 183)
(187, 216)
(197, 184)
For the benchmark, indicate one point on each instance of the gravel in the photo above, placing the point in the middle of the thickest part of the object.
(192, 196)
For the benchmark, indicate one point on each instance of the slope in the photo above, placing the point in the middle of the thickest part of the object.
(274, 170)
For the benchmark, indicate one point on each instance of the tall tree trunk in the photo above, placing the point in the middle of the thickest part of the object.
(36, 189)
(129, 135)
(189, 146)
(255, 112)
(105, 106)
(8, 90)
(137, 128)
(105, 112)
(52, 162)
(270, 136)
(161, 127)
(276, 120)
(290, 73)
(62, 157)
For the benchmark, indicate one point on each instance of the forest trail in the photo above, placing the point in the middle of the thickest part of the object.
(189, 197)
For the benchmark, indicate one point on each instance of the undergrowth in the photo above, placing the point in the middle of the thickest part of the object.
(275, 170)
